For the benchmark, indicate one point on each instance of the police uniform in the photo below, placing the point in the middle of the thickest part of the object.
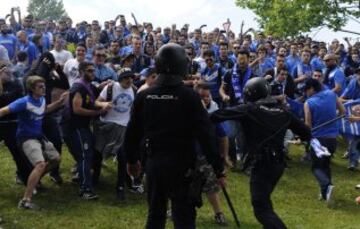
(170, 118)
(265, 124)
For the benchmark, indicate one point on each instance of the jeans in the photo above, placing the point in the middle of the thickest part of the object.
(236, 139)
(354, 152)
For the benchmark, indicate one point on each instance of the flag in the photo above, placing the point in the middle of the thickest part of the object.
(350, 129)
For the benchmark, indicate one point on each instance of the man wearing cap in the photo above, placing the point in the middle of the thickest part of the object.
(334, 77)
(109, 134)
(169, 117)
(150, 78)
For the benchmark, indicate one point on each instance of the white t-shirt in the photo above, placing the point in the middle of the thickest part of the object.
(122, 100)
(71, 70)
(62, 56)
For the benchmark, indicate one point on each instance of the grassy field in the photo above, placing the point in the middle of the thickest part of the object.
(295, 200)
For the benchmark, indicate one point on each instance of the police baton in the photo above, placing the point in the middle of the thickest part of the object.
(327, 123)
(231, 206)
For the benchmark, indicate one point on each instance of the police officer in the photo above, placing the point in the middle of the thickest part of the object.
(265, 122)
(169, 117)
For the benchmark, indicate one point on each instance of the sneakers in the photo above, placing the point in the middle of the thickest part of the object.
(75, 179)
(56, 178)
(357, 186)
(220, 219)
(137, 189)
(120, 193)
(352, 168)
(88, 195)
(329, 193)
(18, 180)
(28, 205)
(169, 214)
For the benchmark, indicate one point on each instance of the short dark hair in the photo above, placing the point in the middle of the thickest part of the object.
(83, 65)
(81, 44)
(224, 44)
(312, 83)
(244, 52)
(21, 56)
(209, 52)
(204, 43)
(98, 48)
(203, 86)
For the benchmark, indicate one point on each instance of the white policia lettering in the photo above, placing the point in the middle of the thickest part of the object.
(162, 97)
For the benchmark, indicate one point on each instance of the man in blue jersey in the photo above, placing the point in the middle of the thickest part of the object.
(352, 92)
(317, 62)
(212, 74)
(30, 139)
(292, 59)
(8, 40)
(320, 107)
(27, 46)
(334, 77)
(302, 70)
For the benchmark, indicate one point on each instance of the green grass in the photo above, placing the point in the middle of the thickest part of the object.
(294, 199)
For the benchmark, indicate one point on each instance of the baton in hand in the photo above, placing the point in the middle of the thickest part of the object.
(327, 123)
(231, 206)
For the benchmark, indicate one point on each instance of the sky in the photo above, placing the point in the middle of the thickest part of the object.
(166, 12)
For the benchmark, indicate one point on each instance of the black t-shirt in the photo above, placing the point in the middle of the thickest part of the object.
(12, 90)
(88, 102)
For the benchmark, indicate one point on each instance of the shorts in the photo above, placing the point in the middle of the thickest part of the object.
(211, 185)
(36, 152)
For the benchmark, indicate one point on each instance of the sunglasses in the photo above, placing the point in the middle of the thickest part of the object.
(100, 55)
(236, 47)
(317, 76)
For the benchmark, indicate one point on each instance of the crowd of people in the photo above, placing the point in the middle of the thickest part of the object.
(76, 85)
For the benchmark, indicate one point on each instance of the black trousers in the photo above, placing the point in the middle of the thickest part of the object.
(321, 166)
(8, 135)
(166, 180)
(263, 180)
(122, 176)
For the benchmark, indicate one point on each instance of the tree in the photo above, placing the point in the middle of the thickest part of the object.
(46, 9)
(285, 18)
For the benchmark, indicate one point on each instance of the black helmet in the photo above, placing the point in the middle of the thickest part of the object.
(171, 60)
(255, 89)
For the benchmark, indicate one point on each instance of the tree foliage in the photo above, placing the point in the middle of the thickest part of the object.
(46, 9)
(285, 18)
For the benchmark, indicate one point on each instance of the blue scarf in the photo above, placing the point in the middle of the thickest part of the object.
(238, 84)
